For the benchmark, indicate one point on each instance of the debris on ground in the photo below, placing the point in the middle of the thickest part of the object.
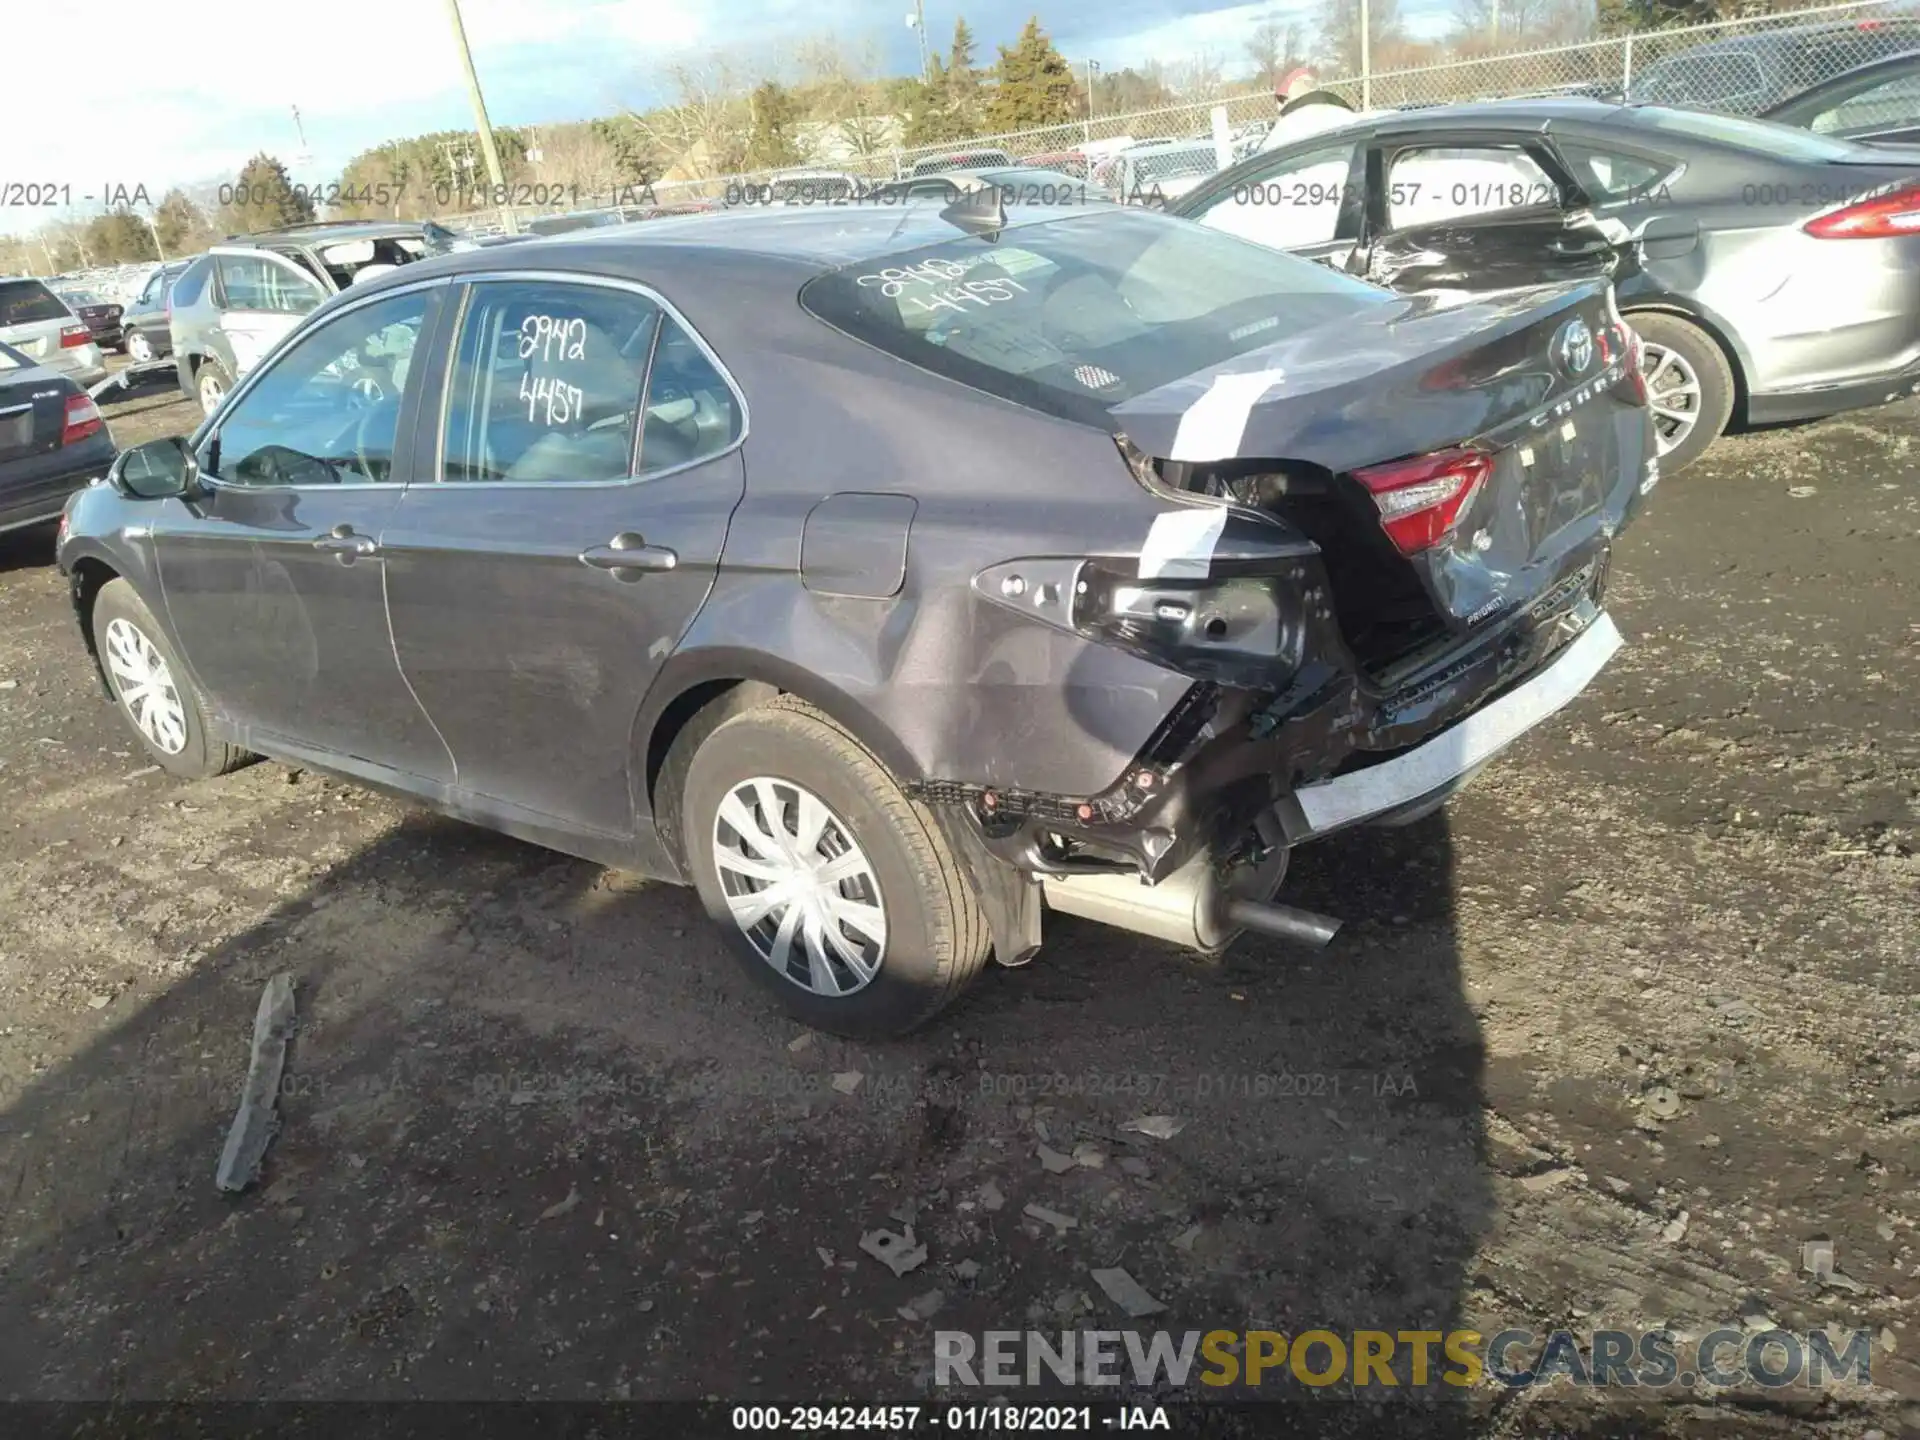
(1662, 1103)
(255, 1122)
(1052, 1160)
(1157, 1127)
(1136, 1167)
(848, 1081)
(1186, 1238)
(1089, 1156)
(563, 1207)
(923, 1307)
(1675, 1229)
(800, 1042)
(990, 1196)
(1547, 1180)
(898, 1253)
(1127, 1293)
(906, 1212)
(1059, 1222)
(967, 1269)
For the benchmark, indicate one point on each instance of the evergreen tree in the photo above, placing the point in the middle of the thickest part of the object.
(960, 58)
(1034, 86)
(774, 142)
(264, 199)
(183, 227)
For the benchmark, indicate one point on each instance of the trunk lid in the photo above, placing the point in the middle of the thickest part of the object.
(1533, 387)
(32, 410)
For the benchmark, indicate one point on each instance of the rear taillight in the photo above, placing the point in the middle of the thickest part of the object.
(83, 419)
(1879, 217)
(72, 335)
(1421, 500)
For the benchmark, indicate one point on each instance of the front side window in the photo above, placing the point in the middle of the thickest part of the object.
(1433, 186)
(253, 282)
(1077, 314)
(328, 410)
(546, 382)
(1296, 202)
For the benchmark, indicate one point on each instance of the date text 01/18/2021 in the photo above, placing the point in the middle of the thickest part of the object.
(910, 1419)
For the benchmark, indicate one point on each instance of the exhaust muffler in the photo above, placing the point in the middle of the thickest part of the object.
(1192, 907)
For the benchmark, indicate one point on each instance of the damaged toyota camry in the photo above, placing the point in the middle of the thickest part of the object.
(893, 575)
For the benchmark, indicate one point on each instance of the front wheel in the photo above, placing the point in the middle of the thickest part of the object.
(154, 692)
(837, 892)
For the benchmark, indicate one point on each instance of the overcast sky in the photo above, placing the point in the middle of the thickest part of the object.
(208, 83)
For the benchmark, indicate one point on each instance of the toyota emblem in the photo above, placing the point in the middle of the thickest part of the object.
(1573, 347)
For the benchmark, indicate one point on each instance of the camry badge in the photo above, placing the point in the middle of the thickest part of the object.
(1573, 347)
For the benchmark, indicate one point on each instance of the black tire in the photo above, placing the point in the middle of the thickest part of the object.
(937, 940)
(211, 373)
(1702, 355)
(199, 756)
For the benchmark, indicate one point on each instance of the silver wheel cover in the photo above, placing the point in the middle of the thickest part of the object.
(145, 686)
(799, 886)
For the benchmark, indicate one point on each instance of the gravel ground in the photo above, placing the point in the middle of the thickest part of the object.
(1605, 1045)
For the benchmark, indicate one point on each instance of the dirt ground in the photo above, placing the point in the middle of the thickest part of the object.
(1604, 1046)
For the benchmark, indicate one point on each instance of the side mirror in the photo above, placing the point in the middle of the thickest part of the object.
(157, 470)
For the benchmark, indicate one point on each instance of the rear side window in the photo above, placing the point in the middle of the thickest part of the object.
(1610, 176)
(1890, 103)
(25, 302)
(192, 282)
(1074, 315)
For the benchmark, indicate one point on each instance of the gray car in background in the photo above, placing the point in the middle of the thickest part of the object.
(1772, 273)
(233, 304)
(43, 327)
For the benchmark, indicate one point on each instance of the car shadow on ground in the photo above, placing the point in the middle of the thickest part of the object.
(540, 1140)
(29, 548)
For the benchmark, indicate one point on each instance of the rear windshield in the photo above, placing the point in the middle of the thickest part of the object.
(191, 281)
(1077, 314)
(1762, 137)
(24, 301)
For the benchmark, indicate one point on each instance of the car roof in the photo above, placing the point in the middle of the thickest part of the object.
(327, 231)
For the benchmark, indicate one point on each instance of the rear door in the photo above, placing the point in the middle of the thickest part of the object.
(261, 297)
(587, 464)
(1474, 212)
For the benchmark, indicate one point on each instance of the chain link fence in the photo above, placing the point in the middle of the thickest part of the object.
(1739, 66)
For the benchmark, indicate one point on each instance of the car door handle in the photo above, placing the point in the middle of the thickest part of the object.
(343, 542)
(629, 552)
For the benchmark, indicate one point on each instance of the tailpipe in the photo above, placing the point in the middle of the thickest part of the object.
(1193, 907)
(1283, 921)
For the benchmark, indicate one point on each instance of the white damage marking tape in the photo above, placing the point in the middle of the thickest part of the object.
(1455, 751)
(1180, 544)
(1213, 425)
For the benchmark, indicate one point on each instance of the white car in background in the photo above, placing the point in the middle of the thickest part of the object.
(41, 326)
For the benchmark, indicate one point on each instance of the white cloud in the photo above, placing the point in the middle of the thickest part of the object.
(218, 82)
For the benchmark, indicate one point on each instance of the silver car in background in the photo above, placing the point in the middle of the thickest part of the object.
(41, 326)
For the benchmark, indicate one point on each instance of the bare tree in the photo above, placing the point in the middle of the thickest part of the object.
(1198, 77)
(1276, 48)
(702, 131)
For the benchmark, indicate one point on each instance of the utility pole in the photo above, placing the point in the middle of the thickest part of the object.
(1366, 62)
(1093, 69)
(158, 248)
(918, 21)
(487, 147)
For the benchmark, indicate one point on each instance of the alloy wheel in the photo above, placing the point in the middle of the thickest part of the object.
(799, 886)
(145, 686)
(212, 392)
(139, 348)
(1673, 394)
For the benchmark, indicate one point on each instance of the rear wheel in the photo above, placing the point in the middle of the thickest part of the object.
(155, 695)
(837, 892)
(139, 348)
(1689, 387)
(211, 383)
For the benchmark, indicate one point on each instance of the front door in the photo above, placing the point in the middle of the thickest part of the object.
(590, 462)
(272, 579)
(261, 297)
